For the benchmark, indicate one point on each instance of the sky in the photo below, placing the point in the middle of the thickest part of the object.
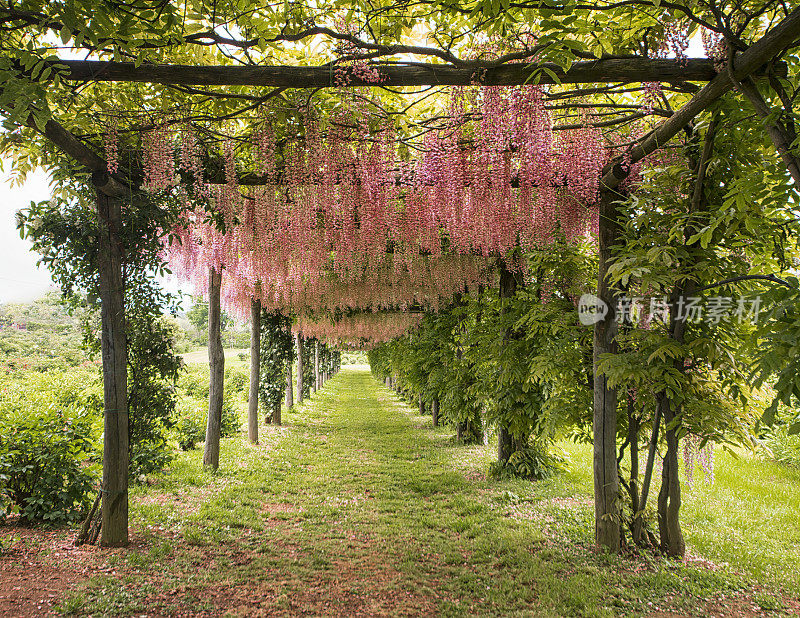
(21, 280)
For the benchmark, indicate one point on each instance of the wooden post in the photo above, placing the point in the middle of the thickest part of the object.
(114, 515)
(317, 375)
(216, 362)
(508, 287)
(255, 370)
(289, 388)
(606, 477)
(299, 343)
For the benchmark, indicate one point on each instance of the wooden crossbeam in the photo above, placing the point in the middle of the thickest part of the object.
(780, 38)
(611, 70)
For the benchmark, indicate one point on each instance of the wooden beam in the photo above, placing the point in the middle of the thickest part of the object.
(611, 70)
(80, 152)
(780, 38)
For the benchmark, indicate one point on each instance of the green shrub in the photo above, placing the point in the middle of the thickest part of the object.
(50, 424)
(7, 506)
(194, 382)
(191, 416)
(237, 381)
(153, 370)
(45, 456)
(189, 427)
(354, 357)
(535, 462)
(231, 423)
(782, 446)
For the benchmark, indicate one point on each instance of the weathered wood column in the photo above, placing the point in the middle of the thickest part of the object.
(317, 374)
(216, 363)
(508, 287)
(114, 526)
(289, 386)
(255, 370)
(298, 341)
(606, 477)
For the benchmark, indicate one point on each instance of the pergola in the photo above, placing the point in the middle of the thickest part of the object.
(753, 62)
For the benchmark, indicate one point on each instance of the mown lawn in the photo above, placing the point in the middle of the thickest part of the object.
(358, 506)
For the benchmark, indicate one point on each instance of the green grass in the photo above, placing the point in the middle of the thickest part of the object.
(359, 506)
(749, 518)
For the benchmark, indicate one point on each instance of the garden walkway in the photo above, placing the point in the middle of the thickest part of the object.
(359, 507)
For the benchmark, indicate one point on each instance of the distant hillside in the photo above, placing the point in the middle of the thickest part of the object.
(39, 334)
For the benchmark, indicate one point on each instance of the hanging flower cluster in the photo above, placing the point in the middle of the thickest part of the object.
(362, 330)
(693, 453)
(676, 40)
(346, 224)
(111, 147)
(652, 93)
(715, 48)
(159, 161)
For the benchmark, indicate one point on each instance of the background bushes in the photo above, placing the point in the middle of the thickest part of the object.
(189, 421)
(50, 428)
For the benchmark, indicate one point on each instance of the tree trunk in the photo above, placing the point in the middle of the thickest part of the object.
(669, 500)
(651, 457)
(435, 411)
(299, 343)
(289, 386)
(421, 405)
(255, 370)
(216, 362)
(606, 478)
(276, 413)
(114, 514)
(637, 530)
(504, 448)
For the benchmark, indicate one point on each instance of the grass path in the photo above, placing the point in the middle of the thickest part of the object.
(359, 507)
